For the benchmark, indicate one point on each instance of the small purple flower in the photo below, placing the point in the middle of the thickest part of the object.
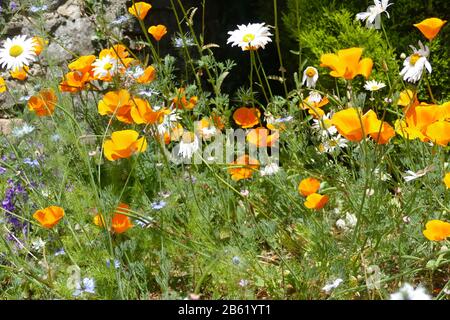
(60, 252)
(87, 285)
(13, 6)
(31, 163)
(158, 205)
(2, 170)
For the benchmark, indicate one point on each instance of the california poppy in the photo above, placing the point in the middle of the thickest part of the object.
(39, 44)
(120, 221)
(316, 201)
(347, 63)
(261, 137)
(148, 76)
(142, 112)
(157, 31)
(246, 117)
(20, 73)
(43, 104)
(139, 9)
(308, 186)
(116, 103)
(243, 168)
(49, 216)
(447, 180)
(2, 85)
(437, 230)
(181, 102)
(123, 144)
(430, 27)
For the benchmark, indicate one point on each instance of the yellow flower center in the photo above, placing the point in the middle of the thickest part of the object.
(414, 58)
(248, 37)
(15, 51)
(310, 72)
(374, 88)
(108, 66)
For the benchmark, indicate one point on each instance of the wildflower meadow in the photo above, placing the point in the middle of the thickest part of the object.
(154, 153)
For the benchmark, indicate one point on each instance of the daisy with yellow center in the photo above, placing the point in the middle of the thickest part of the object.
(310, 77)
(17, 52)
(414, 65)
(189, 144)
(106, 66)
(250, 37)
(374, 85)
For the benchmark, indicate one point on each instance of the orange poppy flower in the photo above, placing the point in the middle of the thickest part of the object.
(430, 27)
(83, 64)
(347, 63)
(354, 126)
(139, 9)
(74, 81)
(49, 217)
(437, 230)
(142, 112)
(120, 221)
(148, 76)
(308, 186)
(316, 201)
(2, 85)
(116, 103)
(380, 131)
(243, 168)
(439, 132)
(20, 73)
(349, 123)
(261, 137)
(246, 117)
(181, 101)
(123, 144)
(43, 104)
(447, 180)
(157, 31)
(39, 44)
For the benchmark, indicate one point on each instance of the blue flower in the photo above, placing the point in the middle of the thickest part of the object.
(23, 131)
(60, 252)
(31, 163)
(87, 285)
(158, 205)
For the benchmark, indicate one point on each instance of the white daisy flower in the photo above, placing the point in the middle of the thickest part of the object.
(324, 126)
(411, 175)
(105, 67)
(414, 64)
(188, 145)
(331, 144)
(310, 77)
(407, 292)
(250, 37)
(270, 169)
(330, 286)
(373, 85)
(170, 122)
(17, 52)
(372, 16)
